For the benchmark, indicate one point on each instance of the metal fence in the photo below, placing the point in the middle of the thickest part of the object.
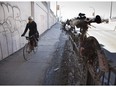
(109, 78)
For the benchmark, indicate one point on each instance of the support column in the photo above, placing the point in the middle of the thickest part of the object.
(32, 9)
(48, 14)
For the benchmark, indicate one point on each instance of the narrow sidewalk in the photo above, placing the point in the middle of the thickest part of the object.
(14, 70)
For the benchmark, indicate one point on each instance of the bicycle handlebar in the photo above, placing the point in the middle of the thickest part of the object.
(87, 21)
(27, 37)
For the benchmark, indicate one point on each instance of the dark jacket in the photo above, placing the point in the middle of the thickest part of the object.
(32, 28)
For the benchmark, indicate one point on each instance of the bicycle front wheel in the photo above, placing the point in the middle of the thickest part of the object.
(27, 54)
(35, 47)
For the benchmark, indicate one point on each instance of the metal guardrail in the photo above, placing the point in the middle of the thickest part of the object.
(108, 78)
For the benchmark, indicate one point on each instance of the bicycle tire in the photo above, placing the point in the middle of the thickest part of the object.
(26, 53)
(35, 49)
(35, 46)
(94, 68)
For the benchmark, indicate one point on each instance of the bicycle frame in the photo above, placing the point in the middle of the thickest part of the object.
(31, 41)
(29, 47)
(89, 49)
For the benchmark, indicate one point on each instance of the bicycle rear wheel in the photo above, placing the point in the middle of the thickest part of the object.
(94, 55)
(27, 53)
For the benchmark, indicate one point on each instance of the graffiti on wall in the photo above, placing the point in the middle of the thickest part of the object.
(11, 26)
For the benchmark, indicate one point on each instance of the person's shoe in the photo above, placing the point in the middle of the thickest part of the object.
(29, 51)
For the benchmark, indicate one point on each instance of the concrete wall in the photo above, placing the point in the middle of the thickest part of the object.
(52, 18)
(41, 14)
(13, 19)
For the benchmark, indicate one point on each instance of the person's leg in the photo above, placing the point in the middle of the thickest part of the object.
(37, 36)
(31, 41)
(35, 39)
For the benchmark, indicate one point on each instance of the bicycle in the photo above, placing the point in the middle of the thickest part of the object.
(90, 52)
(30, 47)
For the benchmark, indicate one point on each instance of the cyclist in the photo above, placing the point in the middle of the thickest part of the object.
(32, 26)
